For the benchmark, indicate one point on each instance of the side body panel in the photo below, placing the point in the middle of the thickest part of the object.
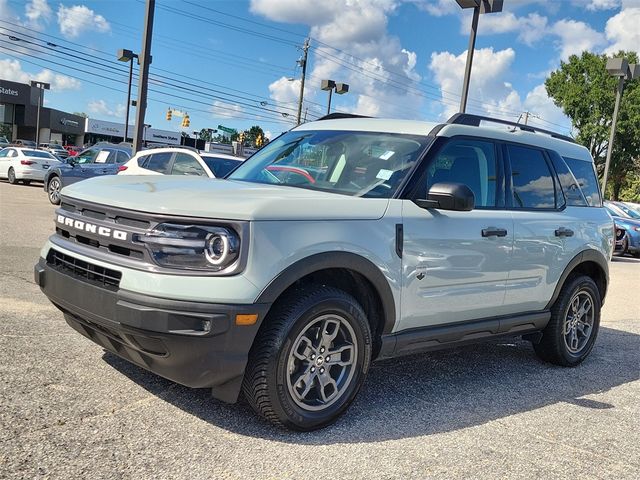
(450, 272)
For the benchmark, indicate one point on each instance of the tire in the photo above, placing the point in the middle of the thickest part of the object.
(624, 249)
(289, 350)
(11, 176)
(567, 341)
(53, 190)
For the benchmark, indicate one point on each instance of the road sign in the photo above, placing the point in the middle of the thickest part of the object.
(226, 129)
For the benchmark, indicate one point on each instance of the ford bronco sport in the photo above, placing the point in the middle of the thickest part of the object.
(342, 241)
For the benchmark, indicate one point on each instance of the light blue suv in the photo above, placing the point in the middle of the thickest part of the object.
(343, 241)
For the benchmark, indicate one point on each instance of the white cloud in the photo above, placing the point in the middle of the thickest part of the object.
(12, 70)
(623, 30)
(361, 28)
(226, 110)
(529, 29)
(101, 107)
(576, 37)
(595, 5)
(487, 79)
(73, 21)
(542, 107)
(438, 8)
(37, 13)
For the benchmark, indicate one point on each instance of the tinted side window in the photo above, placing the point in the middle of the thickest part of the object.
(471, 162)
(159, 162)
(532, 183)
(587, 180)
(122, 157)
(185, 164)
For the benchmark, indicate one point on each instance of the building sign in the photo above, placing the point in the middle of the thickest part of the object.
(16, 93)
(68, 123)
(103, 127)
(8, 91)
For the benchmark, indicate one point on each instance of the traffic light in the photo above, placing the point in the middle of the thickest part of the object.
(169, 115)
(185, 121)
(259, 140)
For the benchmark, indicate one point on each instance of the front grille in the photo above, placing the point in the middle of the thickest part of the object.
(85, 271)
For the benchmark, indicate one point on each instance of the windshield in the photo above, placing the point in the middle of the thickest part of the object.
(88, 156)
(38, 154)
(360, 164)
(628, 211)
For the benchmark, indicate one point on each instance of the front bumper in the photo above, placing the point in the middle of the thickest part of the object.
(192, 343)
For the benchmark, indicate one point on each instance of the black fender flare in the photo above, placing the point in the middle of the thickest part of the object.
(327, 260)
(584, 256)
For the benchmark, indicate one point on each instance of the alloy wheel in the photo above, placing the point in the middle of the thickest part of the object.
(321, 363)
(578, 323)
(54, 190)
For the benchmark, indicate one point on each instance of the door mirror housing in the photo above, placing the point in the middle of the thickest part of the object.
(449, 196)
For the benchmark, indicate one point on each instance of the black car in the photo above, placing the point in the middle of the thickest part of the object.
(101, 159)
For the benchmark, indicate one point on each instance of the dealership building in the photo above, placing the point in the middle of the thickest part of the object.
(19, 112)
(18, 120)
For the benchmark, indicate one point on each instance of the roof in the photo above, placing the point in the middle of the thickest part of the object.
(363, 124)
(515, 133)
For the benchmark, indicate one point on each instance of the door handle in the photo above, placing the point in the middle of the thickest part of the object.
(564, 232)
(494, 232)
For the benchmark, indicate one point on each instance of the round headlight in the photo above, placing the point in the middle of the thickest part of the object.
(216, 248)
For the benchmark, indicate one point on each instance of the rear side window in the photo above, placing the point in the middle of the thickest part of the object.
(122, 157)
(531, 180)
(185, 164)
(587, 181)
(158, 162)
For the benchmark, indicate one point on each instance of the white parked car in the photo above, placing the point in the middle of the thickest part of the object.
(25, 164)
(180, 161)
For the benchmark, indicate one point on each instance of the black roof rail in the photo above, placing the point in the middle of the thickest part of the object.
(338, 115)
(474, 121)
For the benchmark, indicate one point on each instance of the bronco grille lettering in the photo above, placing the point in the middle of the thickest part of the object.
(91, 228)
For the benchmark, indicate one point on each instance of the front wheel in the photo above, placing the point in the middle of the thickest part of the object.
(575, 319)
(53, 190)
(11, 176)
(309, 359)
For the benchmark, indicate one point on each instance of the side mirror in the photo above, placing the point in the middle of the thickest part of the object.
(449, 196)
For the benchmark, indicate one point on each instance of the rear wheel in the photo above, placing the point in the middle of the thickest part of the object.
(11, 176)
(575, 319)
(309, 360)
(53, 190)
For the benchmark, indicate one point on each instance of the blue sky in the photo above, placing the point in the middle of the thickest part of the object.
(234, 62)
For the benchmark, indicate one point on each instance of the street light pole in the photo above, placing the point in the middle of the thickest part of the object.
(479, 6)
(617, 67)
(330, 86)
(467, 68)
(143, 78)
(41, 86)
(127, 56)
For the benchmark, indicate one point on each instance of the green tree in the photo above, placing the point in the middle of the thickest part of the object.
(586, 92)
(251, 136)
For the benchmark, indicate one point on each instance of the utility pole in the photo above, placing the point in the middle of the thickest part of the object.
(143, 79)
(303, 64)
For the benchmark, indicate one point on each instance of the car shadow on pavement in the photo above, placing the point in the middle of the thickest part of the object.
(430, 393)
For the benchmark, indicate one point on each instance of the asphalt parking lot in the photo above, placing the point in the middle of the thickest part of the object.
(70, 410)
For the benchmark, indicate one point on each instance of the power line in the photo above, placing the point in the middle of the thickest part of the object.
(17, 55)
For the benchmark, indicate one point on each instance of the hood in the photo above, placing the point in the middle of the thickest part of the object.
(222, 199)
(625, 222)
